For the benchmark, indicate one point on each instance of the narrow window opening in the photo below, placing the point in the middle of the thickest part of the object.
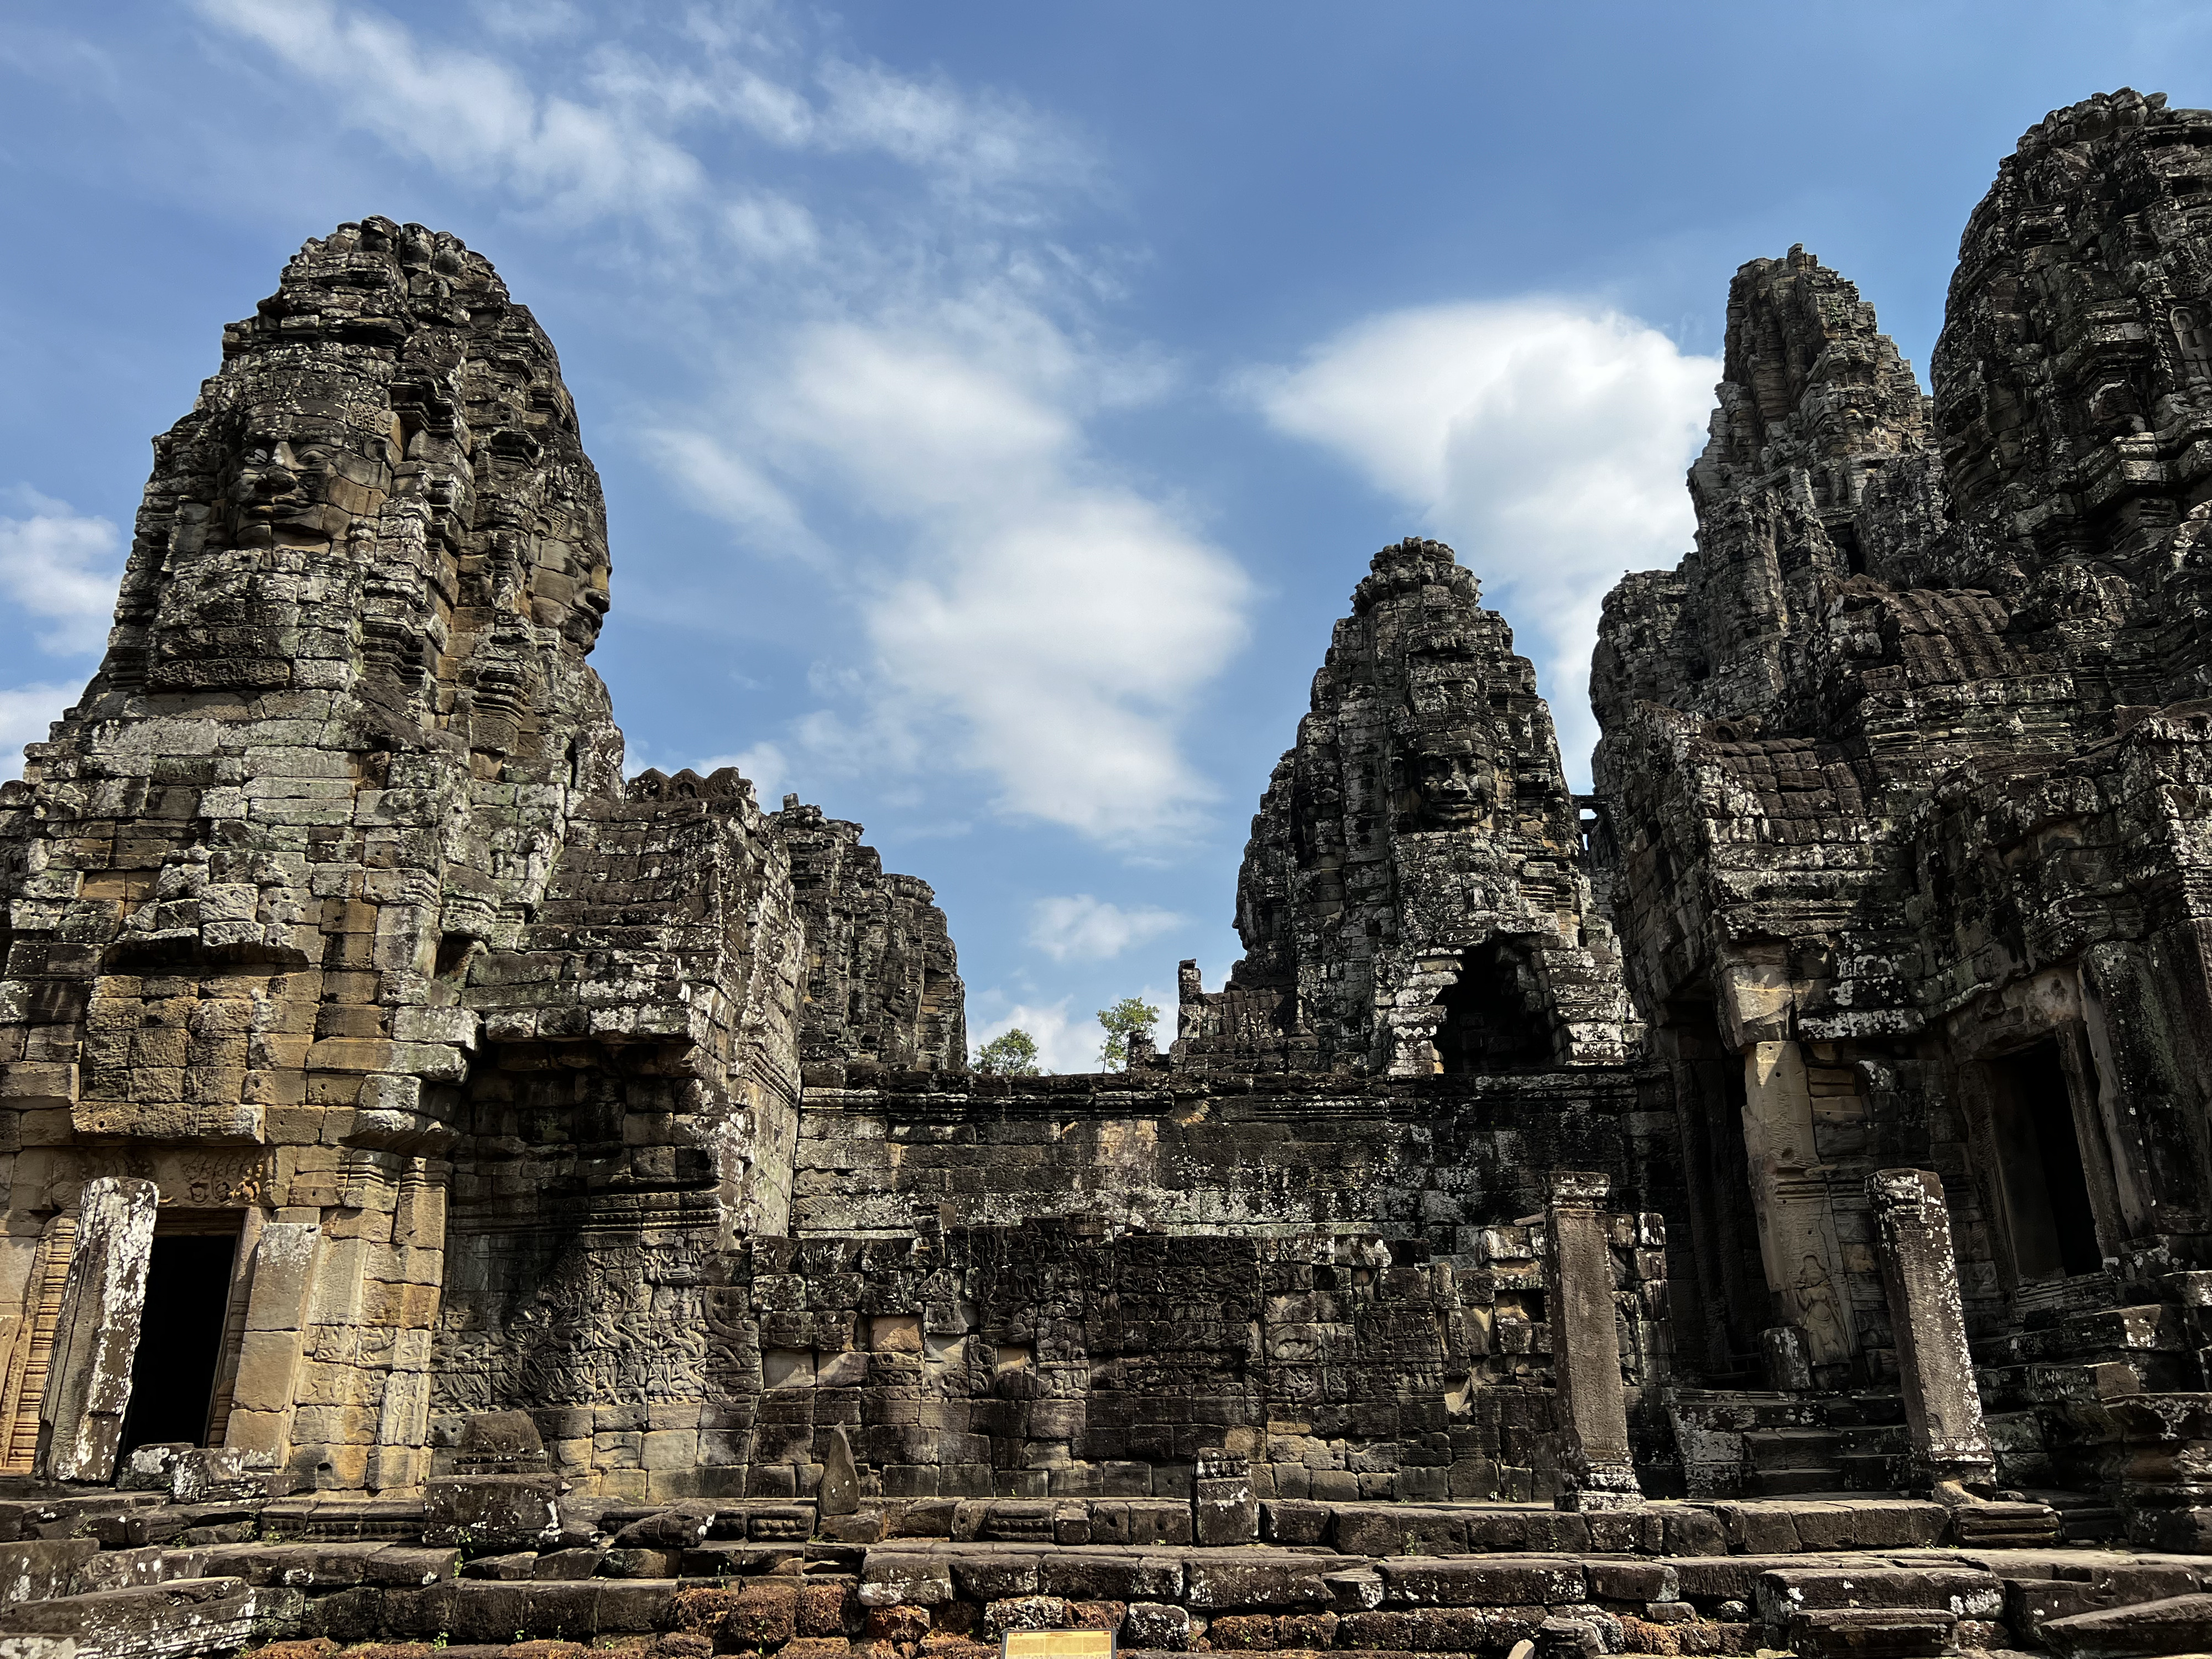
(188, 1285)
(2053, 1227)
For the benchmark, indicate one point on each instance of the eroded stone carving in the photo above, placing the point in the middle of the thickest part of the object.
(1899, 777)
(332, 873)
(1412, 900)
(616, 1135)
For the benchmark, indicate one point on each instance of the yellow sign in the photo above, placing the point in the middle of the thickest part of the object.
(1058, 1645)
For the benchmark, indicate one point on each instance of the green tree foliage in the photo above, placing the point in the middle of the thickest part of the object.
(1012, 1052)
(1123, 1021)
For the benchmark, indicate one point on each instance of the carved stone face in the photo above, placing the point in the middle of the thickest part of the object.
(1451, 782)
(289, 467)
(292, 477)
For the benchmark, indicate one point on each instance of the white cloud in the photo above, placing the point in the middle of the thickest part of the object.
(1063, 1045)
(1545, 440)
(63, 565)
(610, 144)
(530, 19)
(971, 143)
(720, 482)
(467, 112)
(1022, 609)
(1079, 926)
(771, 228)
(25, 711)
(1045, 617)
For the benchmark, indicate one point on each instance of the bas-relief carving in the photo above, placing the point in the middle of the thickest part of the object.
(188, 1178)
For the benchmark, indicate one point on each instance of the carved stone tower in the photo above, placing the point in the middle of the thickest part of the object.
(1412, 899)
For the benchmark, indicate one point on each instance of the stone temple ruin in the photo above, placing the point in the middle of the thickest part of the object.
(457, 1196)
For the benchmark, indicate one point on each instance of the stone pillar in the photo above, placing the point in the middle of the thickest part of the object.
(1586, 1345)
(1190, 1001)
(1935, 1371)
(1226, 1510)
(417, 1260)
(1797, 1243)
(275, 1326)
(96, 1337)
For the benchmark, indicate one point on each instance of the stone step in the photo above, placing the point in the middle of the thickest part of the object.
(2155, 1333)
(1886, 1438)
(1792, 1483)
(1745, 1409)
(2005, 1526)
(1852, 1412)
(2178, 1624)
(394, 1520)
(1870, 1471)
(2099, 1582)
(2083, 1517)
(1785, 1591)
(154, 1621)
(1872, 1633)
(1768, 1449)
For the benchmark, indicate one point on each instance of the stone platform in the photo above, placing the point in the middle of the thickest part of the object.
(509, 1563)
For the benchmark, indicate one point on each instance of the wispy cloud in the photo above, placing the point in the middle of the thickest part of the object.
(1547, 440)
(62, 566)
(1053, 618)
(1078, 927)
(902, 400)
(460, 109)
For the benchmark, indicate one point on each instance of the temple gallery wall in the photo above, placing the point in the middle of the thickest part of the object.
(417, 1137)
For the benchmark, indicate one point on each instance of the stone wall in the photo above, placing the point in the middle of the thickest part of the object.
(881, 981)
(1071, 1359)
(1434, 1161)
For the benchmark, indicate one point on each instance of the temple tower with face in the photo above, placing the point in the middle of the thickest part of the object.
(362, 1033)
(1412, 899)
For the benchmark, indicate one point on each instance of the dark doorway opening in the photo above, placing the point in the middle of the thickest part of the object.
(2052, 1225)
(1494, 1016)
(179, 1339)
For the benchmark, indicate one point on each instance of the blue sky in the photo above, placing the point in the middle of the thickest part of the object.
(997, 403)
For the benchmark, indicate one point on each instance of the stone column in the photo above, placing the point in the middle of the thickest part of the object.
(1586, 1345)
(417, 1260)
(96, 1337)
(1226, 1510)
(1935, 1371)
(1790, 1194)
(275, 1327)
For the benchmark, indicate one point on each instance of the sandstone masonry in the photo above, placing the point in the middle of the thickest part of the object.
(455, 1192)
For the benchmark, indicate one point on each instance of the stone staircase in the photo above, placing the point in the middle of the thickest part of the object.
(1791, 1462)
(1787, 1446)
